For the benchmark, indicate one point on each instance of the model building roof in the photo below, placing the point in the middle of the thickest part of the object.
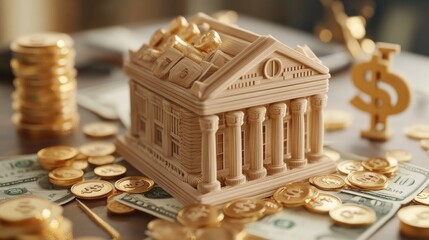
(227, 69)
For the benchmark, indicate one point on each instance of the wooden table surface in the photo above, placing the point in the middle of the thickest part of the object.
(414, 67)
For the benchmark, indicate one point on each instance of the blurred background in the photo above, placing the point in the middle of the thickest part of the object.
(396, 21)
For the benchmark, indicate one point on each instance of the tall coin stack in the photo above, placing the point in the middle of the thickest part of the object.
(44, 100)
(35, 218)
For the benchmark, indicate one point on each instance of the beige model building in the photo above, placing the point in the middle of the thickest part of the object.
(218, 112)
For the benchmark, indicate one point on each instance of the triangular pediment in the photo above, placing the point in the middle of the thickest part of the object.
(266, 61)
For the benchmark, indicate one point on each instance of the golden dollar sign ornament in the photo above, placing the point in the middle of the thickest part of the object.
(369, 77)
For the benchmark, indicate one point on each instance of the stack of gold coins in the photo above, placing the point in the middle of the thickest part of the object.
(367, 181)
(32, 217)
(386, 166)
(414, 221)
(44, 100)
(65, 176)
(57, 156)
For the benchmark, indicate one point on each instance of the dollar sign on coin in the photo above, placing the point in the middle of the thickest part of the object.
(368, 77)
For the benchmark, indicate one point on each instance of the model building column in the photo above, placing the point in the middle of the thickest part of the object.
(298, 107)
(277, 113)
(256, 118)
(209, 126)
(234, 120)
(318, 102)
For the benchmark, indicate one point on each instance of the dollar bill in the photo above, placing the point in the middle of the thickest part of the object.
(293, 223)
(22, 175)
(409, 181)
(156, 202)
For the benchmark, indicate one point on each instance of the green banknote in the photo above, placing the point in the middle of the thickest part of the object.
(298, 223)
(156, 202)
(22, 175)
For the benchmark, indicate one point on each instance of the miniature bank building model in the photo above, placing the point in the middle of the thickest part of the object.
(219, 113)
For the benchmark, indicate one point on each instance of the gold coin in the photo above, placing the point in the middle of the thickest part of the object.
(415, 216)
(294, 194)
(208, 42)
(353, 215)
(332, 154)
(45, 39)
(119, 208)
(101, 160)
(110, 171)
(368, 180)
(424, 143)
(28, 210)
(243, 208)
(423, 197)
(80, 164)
(417, 131)
(157, 37)
(135, 184)
(399, 155)
(65, 173)
(215, 233)
(272, 206)
(162, 229)
(97, 149)
(328, 182)
(336, 119)
(199, 215)
(92, 189)
(379, 164)
(348, 166)
(57, 153)
(112, 195)
(100, 129)
(323, 203)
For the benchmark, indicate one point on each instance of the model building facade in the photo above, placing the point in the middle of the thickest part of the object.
(218, 112)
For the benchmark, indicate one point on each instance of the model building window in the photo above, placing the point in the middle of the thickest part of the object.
(143, 125)
(306, 126)
(174, 125)
(157, 111)
(220, 151)
(175, 148)
(264, 141)
(158, 135)
(144, 106)
(286, 137)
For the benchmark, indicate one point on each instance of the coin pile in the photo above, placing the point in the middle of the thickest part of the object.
(385, 166)
(65, 176)
(197, 221)
(32, 217)
(57, 156)
(414, 221)
(44, 100)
